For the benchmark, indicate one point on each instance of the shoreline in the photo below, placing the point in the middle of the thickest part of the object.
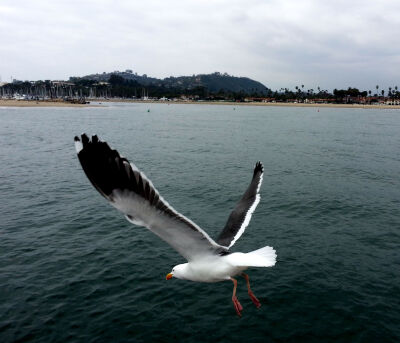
(279, 104)
(40, 103)
(288, 104)
(99, 103)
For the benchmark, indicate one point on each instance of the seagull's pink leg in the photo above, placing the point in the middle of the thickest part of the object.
(235, 301)
(251, 294)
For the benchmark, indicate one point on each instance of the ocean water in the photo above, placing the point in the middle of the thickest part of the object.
(72, 269)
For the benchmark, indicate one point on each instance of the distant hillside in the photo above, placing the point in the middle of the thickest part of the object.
(128, 75)
(213, 83)
(217, 82)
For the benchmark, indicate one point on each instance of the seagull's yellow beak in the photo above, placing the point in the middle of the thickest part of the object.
(169, 276)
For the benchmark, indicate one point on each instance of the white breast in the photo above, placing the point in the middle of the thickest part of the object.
(214, 269)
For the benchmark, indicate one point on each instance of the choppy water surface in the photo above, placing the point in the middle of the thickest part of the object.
(72, 269)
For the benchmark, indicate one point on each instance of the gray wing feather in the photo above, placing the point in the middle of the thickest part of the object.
(131, 192)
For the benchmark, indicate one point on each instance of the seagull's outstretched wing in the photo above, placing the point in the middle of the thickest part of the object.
(241, 215)
(131, 192)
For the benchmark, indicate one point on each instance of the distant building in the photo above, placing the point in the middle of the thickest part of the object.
(101, 83)
(62, 83)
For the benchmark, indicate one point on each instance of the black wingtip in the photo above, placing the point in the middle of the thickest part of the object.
(85, 139)
(84, 142)
(95, 139)
(259, 167)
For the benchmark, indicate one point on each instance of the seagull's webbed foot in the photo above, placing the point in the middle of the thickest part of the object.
(251, 294)
(254, 299)
(236, 303)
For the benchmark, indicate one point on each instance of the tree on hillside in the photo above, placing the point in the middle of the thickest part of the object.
(116, 80)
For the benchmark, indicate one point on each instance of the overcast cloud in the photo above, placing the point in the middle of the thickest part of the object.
(281, 43)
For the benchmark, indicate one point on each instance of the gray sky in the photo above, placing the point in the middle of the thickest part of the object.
(281, 43)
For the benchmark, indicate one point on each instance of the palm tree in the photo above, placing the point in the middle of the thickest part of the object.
(377, 87)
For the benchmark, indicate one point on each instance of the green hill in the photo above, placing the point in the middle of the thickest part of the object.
(214, 83)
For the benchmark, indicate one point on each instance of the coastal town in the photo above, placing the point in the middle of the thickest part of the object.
(215, 88)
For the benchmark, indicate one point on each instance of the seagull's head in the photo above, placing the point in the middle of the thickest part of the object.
(178, 272)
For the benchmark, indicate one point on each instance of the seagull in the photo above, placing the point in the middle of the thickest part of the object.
(132, 193)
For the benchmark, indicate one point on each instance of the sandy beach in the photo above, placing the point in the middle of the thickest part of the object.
(289, 104)
(25, 103)
(228, 103)
(46, 103)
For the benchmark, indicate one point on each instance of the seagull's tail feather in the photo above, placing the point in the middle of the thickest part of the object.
(264, 257)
